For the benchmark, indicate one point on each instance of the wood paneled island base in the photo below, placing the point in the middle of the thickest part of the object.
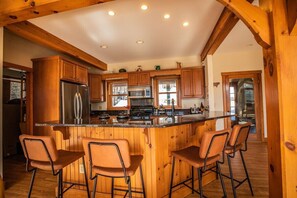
(155, 144)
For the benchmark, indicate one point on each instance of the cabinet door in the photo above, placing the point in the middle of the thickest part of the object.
(144, 79)
(81, 74)
(96, 88)
(67, 71)
(133, 79)
(198, 83)
(186, 81)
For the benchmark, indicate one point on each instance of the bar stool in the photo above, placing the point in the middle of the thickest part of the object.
(210, 151)
(41, 153)
(111, 158)
(238, 142)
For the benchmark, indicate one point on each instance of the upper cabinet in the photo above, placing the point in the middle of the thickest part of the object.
(139, 79)
(96, 88)
(73, 72)
(192, 82)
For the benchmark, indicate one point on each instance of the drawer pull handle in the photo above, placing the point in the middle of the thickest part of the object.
(290, 146)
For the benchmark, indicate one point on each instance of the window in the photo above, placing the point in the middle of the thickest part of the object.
(166, 90)
(118, 95)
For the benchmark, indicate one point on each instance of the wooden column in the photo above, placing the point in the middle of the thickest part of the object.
(280, 78)
(274, 31)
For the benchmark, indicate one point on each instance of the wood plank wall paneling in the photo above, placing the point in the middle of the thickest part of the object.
(156, 150)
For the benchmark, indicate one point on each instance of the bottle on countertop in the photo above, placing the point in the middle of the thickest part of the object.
(201, 107)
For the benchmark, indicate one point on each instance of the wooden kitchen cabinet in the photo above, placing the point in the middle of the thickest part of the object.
(71, 71)
(96, 86)
(192, 81)
(139, 79)
(81, 74)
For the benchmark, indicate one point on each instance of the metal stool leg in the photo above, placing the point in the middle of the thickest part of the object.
(112, 185)
(246, 172)
(142, 181)
(172, 175)
(32, 182)
(86, 178)
(129, 184)
(200, 182)
(221, 178)
(61, 182)
(192, 180)
(94, 187)
(231, 176)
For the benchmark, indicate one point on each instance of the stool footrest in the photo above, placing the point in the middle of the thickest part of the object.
(125, 190)
(71, 185)
(239, 182)
(185, 184)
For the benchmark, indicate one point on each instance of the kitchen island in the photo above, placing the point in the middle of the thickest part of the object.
(155, 139)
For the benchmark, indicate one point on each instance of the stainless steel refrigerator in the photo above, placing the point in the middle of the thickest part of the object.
(75, 105)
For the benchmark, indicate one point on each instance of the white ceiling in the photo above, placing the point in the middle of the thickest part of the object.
(90, 27)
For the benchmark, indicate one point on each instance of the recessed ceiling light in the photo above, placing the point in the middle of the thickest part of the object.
(166, 16)
(139, 41)
(103, 46)
(186, 23)
(144, 7)
(111, 13)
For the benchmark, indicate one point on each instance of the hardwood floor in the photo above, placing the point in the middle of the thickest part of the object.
(17, 179)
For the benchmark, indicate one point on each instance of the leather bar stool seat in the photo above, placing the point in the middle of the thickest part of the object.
(190, 156)
(41, 153)
(118, 172)
(238, 143)
(111, 158)
(210, 152)
(64, 158)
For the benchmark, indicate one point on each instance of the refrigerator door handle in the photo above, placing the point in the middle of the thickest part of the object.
(80, 106)
(75, 103)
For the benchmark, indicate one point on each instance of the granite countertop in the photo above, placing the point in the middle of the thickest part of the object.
(154, 122)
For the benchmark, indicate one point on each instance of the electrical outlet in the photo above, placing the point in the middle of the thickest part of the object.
(81, 169)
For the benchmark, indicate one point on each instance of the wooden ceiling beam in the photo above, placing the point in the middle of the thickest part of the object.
(33, 33)
(21, 10)
(292, 16)
(223, 27)
(255, 18)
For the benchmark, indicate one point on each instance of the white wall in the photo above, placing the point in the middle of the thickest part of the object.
(1, 98)
(237, 61)
(166, 63)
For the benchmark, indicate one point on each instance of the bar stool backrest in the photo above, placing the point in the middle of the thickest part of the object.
(239, 134)
(39, 148)
(213, 143)
(107, 153)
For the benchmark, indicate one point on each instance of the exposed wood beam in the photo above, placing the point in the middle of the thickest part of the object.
(16, 66)
(222, 28)
(21, 10)
(33, 33)
(255, 18)
(292, 16)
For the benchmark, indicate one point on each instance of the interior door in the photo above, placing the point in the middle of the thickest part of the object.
(242, 93)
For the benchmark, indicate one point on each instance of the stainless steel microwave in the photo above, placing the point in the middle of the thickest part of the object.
(140, 92)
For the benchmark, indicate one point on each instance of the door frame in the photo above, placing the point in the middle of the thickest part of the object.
(256, 75)
(29, 93)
